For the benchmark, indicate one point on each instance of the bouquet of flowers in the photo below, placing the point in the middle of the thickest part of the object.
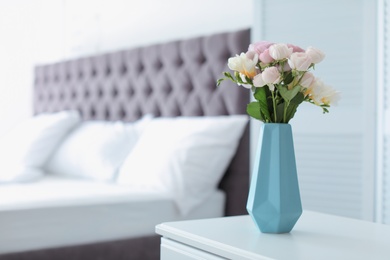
(278, 75)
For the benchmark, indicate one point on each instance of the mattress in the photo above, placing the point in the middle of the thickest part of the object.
(58, 211)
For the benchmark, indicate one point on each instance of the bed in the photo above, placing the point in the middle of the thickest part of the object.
(169, 81)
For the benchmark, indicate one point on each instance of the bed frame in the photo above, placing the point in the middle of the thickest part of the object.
(171, 79)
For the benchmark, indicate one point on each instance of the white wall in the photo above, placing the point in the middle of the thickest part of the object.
(41, 31)
(93, 26)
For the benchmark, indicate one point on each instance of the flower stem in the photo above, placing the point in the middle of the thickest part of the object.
(274, 105)
(285, 110)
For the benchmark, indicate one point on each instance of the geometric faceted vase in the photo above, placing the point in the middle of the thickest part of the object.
(274, 202)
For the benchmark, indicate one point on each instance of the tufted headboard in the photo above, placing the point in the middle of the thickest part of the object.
(170, 79)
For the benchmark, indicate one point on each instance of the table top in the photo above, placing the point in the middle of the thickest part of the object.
(315, 236)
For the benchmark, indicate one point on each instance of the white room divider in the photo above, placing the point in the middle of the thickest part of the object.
(335, 152)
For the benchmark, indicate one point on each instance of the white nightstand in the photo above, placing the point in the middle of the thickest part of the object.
(315, 236)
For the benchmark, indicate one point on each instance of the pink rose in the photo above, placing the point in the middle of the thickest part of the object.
(251, 55)
(265, 57)
(295, 48)
(271, 75)
(259, 47)
(299, 61)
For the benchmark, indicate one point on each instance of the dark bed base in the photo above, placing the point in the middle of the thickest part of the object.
(129, 249)
(170, 79)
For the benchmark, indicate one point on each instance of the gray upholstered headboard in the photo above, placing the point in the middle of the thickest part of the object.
(170, 79)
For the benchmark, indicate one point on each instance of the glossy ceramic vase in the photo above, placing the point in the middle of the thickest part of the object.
(274, 201)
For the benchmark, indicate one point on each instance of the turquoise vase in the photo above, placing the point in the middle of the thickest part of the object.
(274, 202)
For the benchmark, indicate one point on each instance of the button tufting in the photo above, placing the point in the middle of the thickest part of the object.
(140, 68)
(180, 79)
(93, 72)
(114, 92)
(107, 113)
(122, 113)
(147, 90)
(123, 69)
(168, 89)
(130, 92)
(158, 65)
(108, 71)
(86, 94)
(92, 112)
(100, 92)
(179, 62)
(202, 59)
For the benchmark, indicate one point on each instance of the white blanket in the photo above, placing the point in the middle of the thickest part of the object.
(57, 211)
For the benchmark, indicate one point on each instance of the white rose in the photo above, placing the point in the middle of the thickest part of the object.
(258, 81)
(299, 61)
(280, 51)
(271, 75)
(315, 55)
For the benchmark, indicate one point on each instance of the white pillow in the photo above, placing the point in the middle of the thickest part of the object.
(185, 155)
(96, 149)
(19, 173)
(27, 147)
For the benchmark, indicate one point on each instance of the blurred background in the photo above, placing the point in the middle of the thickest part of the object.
(342, 157)
(43, 31)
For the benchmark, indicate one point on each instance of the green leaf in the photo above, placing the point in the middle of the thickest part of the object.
(253, 109)
(279, 112)
(325, 108)
(288, 94)
(238, 78)
(261, 96)
(288, 78)
(292, 108)
(227, 76)
(219, 81)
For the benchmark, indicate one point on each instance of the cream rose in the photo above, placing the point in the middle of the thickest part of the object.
(306, 80)
(324, 94)
(243, 64)
(315, 55)
(280, 51)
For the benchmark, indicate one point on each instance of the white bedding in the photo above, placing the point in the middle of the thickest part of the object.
(58, 211)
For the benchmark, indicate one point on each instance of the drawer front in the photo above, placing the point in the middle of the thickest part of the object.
(172, 250)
